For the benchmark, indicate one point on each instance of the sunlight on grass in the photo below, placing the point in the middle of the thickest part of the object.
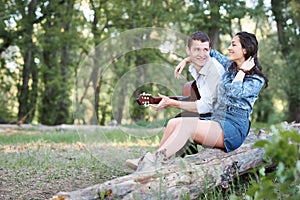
(21, 141)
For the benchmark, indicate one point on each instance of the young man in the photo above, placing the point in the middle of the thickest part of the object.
(207, 73)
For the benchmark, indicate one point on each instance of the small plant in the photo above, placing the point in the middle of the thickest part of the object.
(282, 149)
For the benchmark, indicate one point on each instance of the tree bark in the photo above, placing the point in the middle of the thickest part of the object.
(191, 175)
(27, 97)
(63, 104)
(213, 30)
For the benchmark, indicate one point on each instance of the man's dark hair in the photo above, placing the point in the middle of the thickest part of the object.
(203, 37)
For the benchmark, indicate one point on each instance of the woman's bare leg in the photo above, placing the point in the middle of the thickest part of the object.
(204, 132)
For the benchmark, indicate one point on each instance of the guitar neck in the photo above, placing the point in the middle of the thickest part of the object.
(156, 100)
(145, 99)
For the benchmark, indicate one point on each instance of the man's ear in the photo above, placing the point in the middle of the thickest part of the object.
(244, 51)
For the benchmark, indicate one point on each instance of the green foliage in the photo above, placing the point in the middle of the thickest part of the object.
(282, 150)
(7, 98)
(57, 40)
(288, 35)
(60, 33)
(263, 110)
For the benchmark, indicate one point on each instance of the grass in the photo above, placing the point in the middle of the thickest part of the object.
(20, 138)
(39, 174)
(38, 164)
(70, 137)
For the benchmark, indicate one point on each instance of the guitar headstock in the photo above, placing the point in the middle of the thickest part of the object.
(145, 99)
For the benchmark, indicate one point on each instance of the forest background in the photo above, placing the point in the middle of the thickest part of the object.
(63, 62)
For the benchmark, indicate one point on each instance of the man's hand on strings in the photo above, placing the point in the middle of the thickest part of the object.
(165, 102)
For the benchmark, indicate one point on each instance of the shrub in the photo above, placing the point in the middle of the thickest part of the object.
(282, 150)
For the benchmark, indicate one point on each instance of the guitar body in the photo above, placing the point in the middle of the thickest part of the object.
(190, 89)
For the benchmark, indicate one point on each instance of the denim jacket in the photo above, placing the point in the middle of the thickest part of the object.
(239, 94)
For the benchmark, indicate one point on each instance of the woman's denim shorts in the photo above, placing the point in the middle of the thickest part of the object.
(235, 124)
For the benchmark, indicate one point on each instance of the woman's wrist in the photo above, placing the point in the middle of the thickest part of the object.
(243, 70)
(187, 60)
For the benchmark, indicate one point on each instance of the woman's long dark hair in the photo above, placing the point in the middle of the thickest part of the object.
(249, 42)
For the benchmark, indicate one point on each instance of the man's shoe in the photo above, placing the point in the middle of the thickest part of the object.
(133, 163)
(152, 162)
(147, 163)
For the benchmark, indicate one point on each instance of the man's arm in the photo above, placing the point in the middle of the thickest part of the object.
(167, 102)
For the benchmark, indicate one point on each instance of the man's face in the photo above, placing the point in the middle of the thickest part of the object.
(198, 52)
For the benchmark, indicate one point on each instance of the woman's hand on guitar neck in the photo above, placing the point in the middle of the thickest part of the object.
(180, 67)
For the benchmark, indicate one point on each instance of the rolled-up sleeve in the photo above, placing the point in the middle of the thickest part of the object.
(225, 62)
(204, 105)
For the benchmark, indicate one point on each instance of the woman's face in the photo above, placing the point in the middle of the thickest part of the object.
(236, 51)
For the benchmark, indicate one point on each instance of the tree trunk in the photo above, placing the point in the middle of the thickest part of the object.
(27, 98)
(48, 96)
(191, 175)
(97, 69)
(63, 105)
(213, 30)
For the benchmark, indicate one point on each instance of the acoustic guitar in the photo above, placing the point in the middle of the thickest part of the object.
(189, 92)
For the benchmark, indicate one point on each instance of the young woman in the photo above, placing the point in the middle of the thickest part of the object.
(229, 125)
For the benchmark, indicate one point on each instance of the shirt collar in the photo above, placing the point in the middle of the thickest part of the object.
(203, 71)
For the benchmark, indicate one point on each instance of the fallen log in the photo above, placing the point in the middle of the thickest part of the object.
(178, 177)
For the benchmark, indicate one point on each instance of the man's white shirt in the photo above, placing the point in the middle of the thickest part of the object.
(207, 79)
